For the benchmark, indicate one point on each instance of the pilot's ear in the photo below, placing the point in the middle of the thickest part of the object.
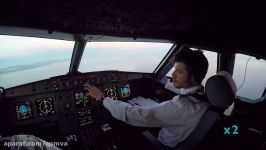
(192, 79)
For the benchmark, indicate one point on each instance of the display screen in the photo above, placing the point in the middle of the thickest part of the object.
(23, 110)
(111, 92)
(45, 106)
(125, 91)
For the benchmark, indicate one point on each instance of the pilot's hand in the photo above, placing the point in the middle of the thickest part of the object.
(92, 91)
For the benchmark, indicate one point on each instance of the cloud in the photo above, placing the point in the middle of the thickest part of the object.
(22, 46)
(144, 64)
(18, 68)
(25, 46)
(136, 46)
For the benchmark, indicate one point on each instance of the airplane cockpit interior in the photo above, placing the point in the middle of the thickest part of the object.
(50, 49)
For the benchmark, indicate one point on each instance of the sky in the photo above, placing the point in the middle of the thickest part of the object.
(25, 59)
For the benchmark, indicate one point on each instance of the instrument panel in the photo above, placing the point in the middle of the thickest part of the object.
(63, 101)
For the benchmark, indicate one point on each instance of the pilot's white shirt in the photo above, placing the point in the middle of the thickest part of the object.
(177, 117)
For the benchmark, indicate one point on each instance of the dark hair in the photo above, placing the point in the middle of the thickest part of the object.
(195, 61)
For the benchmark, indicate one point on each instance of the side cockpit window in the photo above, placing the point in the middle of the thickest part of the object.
(249, 75)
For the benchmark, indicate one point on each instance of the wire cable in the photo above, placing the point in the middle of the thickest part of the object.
(244, 75)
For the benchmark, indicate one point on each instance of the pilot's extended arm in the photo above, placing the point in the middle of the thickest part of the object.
(168, 113)
(174, 112)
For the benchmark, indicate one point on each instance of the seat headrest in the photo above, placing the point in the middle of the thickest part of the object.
(221, 89)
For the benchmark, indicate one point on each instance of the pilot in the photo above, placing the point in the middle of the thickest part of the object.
(178, 116)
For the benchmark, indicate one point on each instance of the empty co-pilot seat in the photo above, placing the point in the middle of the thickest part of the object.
(220, 90)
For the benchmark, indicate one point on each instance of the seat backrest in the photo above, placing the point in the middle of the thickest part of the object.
(220, 90)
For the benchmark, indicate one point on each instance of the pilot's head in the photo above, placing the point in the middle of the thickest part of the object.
(190, 68)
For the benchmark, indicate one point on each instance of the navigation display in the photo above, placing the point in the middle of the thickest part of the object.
(45, 106)
(23, 110)
(111, 92)
(125, 91)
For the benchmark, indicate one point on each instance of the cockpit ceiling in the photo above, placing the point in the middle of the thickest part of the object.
(230, 25)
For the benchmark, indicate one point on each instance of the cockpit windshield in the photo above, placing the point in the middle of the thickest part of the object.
(27, 59)
(123, 56)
